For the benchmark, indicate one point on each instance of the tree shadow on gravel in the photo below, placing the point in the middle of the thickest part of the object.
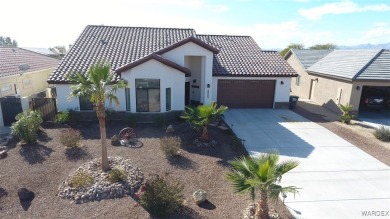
(185, 212)
(3, 193)
(35, 153)
(43, 137)
(77, 153)
(182, 162)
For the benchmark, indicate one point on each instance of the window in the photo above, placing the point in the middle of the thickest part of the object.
(148, 95)
(85, 103)
(168, 99)
(6, 89)
(298, 80)
(127, 96)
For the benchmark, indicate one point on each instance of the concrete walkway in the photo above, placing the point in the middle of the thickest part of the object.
(338, 180)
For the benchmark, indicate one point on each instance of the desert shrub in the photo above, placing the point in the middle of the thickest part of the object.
(382, 133)
(115, 141)
(170, 146)
(62, 117)
(160, 197)
(81, 179)
(116, 175)
(70, 138)
(132, 120)
(27, 125)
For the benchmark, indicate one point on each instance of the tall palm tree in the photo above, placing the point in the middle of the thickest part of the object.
(201, 117)
(261, 174)
(98, 86)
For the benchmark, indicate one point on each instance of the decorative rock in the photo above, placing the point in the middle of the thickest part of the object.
(102, 188)
(199, 196)
(3, 148)
(202, 144)
(170, 129)
(3, 154)
(25, 195)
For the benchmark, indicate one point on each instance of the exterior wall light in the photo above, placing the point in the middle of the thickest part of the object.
(281, 82)
(358, 87)
(208, 85)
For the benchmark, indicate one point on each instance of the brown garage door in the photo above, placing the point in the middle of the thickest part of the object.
(246, 93)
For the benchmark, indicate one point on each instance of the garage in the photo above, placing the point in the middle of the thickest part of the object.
(246, 93)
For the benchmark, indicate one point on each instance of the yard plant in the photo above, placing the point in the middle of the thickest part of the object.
(27, 125)
(98, 85)
(160, 197)
(81, 179)
(261, 175)
(346, 117)
(170, 146)
(201, 116)
(70, 138)
(382, 133)
(116, 175)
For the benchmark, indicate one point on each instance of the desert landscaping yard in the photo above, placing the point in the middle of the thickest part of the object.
(44, 166)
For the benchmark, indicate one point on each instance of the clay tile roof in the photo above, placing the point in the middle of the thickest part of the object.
(14, 61)
(117, 45)
(241, 56)
(121, 46)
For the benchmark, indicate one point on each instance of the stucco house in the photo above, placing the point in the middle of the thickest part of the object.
(169, 68)
(340, 76)
(23, 74)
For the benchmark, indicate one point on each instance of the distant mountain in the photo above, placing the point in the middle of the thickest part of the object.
(367, 46)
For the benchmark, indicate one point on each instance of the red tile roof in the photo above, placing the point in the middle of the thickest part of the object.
(14, 61)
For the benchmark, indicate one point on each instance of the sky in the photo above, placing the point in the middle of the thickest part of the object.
(273, 24)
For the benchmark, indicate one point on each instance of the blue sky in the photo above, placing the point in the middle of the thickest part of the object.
(272, 23)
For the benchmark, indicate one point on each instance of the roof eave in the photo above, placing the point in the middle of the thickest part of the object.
(187, 40)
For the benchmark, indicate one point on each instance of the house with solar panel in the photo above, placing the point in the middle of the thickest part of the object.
(169, 68)
(359, 77)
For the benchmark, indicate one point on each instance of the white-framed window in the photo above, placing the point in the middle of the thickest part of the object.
(6, 89)
(27, 82)
(298, 80)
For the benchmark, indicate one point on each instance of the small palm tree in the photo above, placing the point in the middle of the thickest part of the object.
(261, 174)
(346, 116)
(202, 116)
(98, 86)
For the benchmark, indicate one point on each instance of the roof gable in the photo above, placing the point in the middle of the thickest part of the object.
(185, 41)
(378, 69)
(15, 61)
(157, 58)
(344, 63)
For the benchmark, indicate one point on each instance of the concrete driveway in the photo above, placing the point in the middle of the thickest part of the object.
(375, 118)
(338, 180)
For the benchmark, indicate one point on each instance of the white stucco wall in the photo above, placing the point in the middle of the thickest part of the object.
(169, 78)
(178, 55)
(282, 91)
(63, 101)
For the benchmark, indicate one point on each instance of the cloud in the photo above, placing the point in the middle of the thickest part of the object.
(339, 8)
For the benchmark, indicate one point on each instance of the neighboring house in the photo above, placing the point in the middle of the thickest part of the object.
(301, 60)
(44, 51)
(168, 68)
(22, 74)
(345, 76)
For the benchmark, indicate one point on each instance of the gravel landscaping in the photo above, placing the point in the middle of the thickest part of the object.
(43, 167)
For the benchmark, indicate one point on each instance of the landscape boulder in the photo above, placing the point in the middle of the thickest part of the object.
(199, 196)
(170, 129)
(3, 154)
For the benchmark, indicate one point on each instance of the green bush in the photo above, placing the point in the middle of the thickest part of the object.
(170, 146)
(70, 138)
(27, 125)
(62, 117)
(116, 175)
(81, 179)
(161, 198)
(382, 133)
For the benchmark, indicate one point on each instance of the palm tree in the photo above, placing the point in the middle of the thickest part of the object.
(346, 110)
(98, 86)
(261, 174)
(202, 116)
